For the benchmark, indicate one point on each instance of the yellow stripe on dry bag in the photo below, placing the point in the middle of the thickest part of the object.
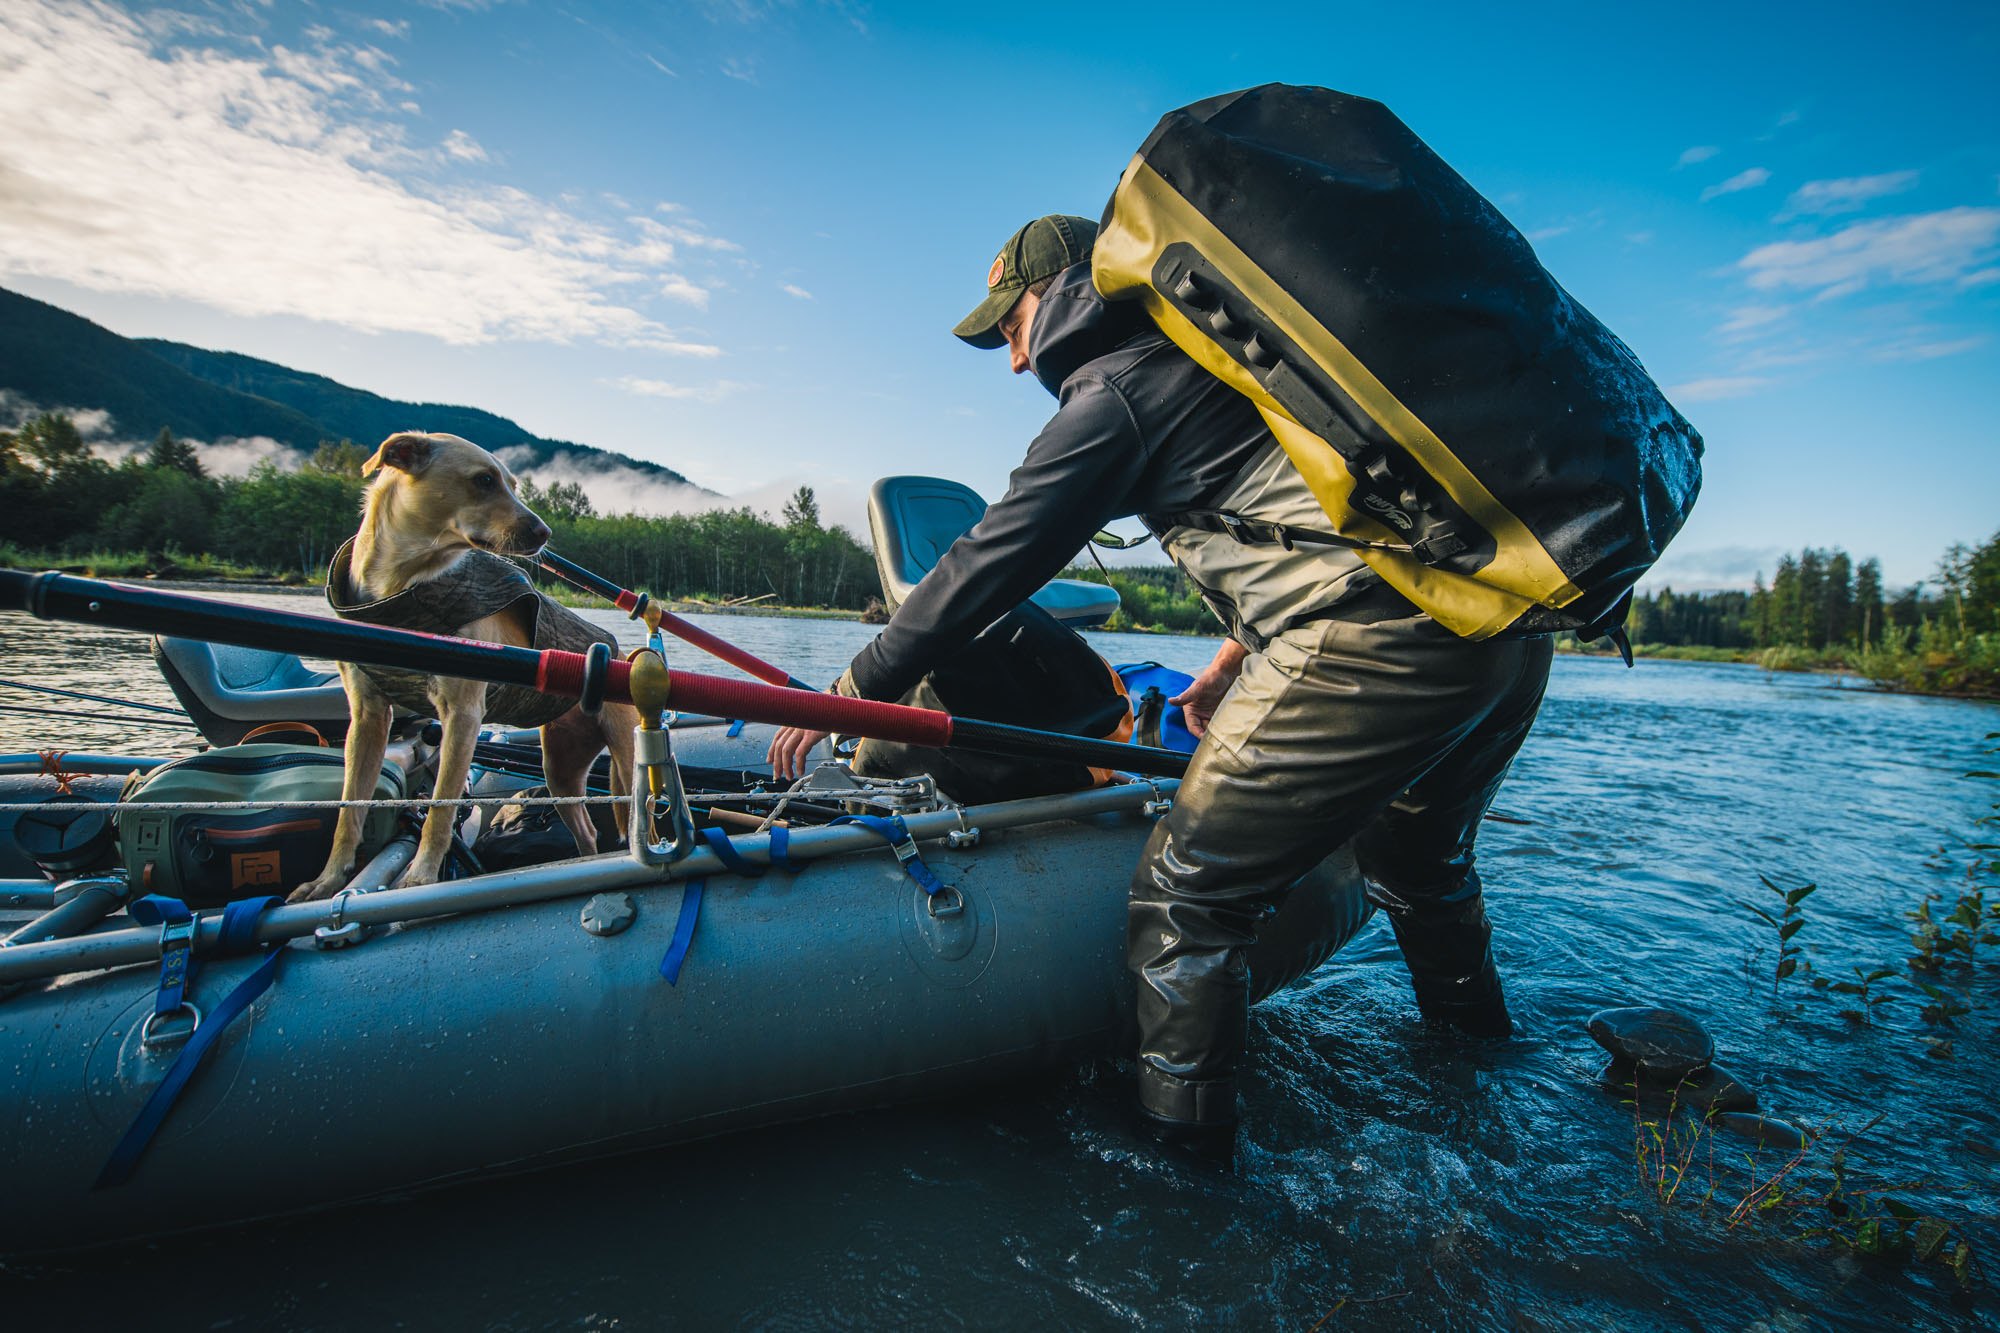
(1148, 215)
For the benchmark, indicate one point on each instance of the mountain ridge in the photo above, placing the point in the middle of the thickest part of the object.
(55, 358)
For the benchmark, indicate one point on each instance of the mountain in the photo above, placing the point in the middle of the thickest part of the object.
(56, 359)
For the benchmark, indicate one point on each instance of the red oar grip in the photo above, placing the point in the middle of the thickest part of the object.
(563, 673)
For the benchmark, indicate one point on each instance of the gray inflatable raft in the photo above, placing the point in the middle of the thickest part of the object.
(490, 1031)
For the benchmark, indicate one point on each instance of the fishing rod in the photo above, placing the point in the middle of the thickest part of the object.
(589, 677)
(93, 698)
(642, 607)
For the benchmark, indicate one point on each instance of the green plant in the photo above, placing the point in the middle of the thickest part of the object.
(1867, 997)
(1788, 923)
(1863, 1218)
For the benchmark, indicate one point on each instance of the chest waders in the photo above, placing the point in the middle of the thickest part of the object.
(1467, 431)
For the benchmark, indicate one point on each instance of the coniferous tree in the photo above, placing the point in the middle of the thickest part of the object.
(1811, 631)
(1838, 600)
(1868, 607)
(178, 454)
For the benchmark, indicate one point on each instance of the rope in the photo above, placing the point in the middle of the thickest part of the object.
(52, 768)
(173, 806)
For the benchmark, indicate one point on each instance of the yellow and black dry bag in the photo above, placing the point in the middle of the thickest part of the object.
(1493, 452)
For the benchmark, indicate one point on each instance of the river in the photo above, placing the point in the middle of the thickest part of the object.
(1387, 1178)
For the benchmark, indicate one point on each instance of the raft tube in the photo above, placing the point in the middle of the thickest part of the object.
(511, 1039)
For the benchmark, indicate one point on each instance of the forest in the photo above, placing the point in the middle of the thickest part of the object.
(161, 511)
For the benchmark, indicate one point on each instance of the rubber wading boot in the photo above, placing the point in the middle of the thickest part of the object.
(1194, 1116)
(1448, 947)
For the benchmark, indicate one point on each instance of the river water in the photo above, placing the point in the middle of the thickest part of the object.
(1387, 1178)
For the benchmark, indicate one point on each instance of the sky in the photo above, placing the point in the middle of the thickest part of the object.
(732, 236)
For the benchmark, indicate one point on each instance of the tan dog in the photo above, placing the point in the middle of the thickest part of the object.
(437, 500)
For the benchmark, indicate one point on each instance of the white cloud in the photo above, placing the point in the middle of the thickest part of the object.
(464, 147)
(1716, 389)
(1742, 180)
(1541, 234)
(791, 290)
(1846, 194)
(397, 28)
(263, 181)
(1711, 567)
(700, 393)
(1936, 247)
(616, 488)
(1699, 153)
(677, 288)
(743, 70)
(1751, 320)
(1928, 351)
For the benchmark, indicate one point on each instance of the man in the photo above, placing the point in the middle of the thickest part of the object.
(1334, 710)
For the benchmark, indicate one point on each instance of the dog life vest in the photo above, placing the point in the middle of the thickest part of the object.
(1471, 432)
(477, 585)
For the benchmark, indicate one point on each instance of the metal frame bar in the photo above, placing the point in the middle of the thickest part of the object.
(562, 880)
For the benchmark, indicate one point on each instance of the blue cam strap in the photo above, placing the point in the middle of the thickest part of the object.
(177, 960)
(734, 862)
(677, 952)
(239, 934)
(892, 830)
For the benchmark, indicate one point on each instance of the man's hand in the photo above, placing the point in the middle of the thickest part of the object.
(789, 749)
(1203, 695)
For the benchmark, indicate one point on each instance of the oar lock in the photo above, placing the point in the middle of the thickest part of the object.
(650, 683)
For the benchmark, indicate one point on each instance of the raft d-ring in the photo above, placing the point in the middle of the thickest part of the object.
(939, 909)
(148, 1038)
(1160, 803)
(342, 932)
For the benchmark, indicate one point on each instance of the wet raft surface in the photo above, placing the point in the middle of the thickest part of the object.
(1492, 1188)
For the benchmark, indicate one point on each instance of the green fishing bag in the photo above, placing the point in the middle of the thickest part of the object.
(208, 858)
(1491, 450)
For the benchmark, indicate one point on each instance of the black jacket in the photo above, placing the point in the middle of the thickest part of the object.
(1142, 430)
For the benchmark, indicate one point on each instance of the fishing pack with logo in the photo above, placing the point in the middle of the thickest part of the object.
(208, 858)
(1490, 449)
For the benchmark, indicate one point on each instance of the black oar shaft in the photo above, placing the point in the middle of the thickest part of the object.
(969, 733)
(89, 601)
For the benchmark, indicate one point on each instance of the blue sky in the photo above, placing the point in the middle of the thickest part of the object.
(733, 237)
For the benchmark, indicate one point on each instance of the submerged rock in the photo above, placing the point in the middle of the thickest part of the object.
(1761, 1129)
(1706, 1091)
(1665, 1045)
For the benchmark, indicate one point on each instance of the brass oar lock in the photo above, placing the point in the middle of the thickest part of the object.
(651, 685)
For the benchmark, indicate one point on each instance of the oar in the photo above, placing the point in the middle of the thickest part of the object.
(576, 675)
(641, 607)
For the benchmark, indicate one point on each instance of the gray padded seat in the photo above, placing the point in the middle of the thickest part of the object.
(914, 521)
(229, 690)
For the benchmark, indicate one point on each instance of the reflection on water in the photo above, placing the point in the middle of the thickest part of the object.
(1446, 1187)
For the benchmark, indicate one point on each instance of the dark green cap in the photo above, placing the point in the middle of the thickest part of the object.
(1042, 249)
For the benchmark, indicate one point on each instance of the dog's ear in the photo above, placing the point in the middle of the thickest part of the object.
(408, 451)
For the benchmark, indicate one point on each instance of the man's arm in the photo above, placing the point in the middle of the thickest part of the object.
(1073, 480)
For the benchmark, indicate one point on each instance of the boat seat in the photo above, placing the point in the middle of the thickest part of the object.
(914, 521)
(229, 691)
